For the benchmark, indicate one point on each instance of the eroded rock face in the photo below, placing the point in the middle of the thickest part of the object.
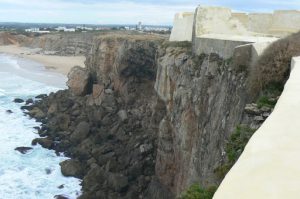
(79, 81)
(204, 98)
(137, 136)
(109, 130)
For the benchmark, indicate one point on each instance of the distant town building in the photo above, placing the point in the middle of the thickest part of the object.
(36, 30)
(32, 30)
(84, 28)
(139, 26)
(64, 29)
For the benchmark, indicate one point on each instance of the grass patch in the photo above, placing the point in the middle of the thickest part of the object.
(234, 148)
(269, 94)
(238, 141)
(198, 60)
(265, 101)
(274, 89)
(195, 191)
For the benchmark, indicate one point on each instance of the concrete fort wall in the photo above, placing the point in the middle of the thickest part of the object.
(269, 165)
(214, 29)
(223, 47)
(217, 20)
(285, 22)
(182, 27)
(220, 20)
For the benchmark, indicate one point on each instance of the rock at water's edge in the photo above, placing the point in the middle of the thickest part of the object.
(71, 168)
(23, 149)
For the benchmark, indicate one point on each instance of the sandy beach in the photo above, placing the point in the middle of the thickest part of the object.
(61, 64)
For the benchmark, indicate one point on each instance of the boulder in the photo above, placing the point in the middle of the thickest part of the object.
(41, 96)
(28, 108)
(61, 186)
(96, 175)
(118, 182)
(9, 111)
(79, 81)
(252, 109)
(81, 132)
(63, 121)
(23, 149)
(60, 197)
(52, 109)
(71, 168)
(37, 113)
(29, 101)
(123, 115)
(48, 171)
(44, 142)
(18, 100)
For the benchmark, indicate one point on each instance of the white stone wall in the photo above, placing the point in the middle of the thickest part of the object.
(182, 27)
(220, 20)
(259, 23)
(285, 22)
(217, 20)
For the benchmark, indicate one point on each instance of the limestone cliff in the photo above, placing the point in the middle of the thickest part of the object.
(146, 118)
(70, 44)
(204, 98)
(107, 122)
(61, 43)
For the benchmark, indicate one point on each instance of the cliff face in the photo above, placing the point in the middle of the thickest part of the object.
(61, 43)
(73, 44)
(143, 119)
(107, 122)
(9, 39)
(204, 98)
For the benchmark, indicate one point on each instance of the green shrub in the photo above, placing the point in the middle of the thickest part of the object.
(195, 191)
(274, 89)
(234, 148)
(269, 94)
(274, 64)
(237, 142)
(265, 101)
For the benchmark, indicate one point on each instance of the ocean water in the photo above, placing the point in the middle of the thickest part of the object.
(24, 176)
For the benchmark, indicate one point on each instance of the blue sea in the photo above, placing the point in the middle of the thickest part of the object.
(24, 176)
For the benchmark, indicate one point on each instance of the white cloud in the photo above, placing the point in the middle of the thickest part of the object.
(70, 12)
(121, 12)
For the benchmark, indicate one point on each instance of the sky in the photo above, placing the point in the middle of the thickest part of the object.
(151, 12)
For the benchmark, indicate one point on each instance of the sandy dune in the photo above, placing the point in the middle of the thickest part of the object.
(61, 64)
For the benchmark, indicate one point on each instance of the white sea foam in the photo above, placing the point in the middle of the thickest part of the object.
(30, 70)
(24, 176)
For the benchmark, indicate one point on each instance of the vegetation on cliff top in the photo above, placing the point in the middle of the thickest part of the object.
(274, 64)
(197, 192)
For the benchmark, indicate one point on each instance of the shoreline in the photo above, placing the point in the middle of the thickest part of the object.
(31, 70)
(54, 63)
(20, 130)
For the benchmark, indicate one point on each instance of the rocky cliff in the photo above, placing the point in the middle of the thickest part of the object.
(106, 121)
(69, 44)
(204, 97)
(147, 118)
(61, 43)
